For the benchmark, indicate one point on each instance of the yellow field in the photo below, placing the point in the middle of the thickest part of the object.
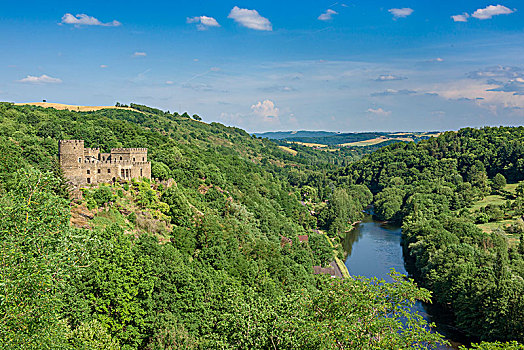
(309, 144)
(288, 150)
(61, 106)
(401, 134)
(436, 134)
(375, 141)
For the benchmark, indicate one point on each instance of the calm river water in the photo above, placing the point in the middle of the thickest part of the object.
(373, 248)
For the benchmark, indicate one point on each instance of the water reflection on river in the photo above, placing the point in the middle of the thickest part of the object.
(373, 248)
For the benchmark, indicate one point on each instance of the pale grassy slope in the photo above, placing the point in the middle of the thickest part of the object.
(61, 106)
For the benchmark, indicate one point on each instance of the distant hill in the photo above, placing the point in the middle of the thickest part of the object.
(280, 135)
(357, 139)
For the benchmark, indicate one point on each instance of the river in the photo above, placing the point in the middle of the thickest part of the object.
(373, 248)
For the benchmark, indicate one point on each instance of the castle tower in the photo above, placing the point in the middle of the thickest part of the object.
(71, 155)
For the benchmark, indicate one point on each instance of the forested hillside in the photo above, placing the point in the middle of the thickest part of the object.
(435, 189)
(204, 256)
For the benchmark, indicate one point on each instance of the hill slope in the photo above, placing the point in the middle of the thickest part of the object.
(206, 256)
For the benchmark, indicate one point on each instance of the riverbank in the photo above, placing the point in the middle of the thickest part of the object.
(340, 267)
(373, 248)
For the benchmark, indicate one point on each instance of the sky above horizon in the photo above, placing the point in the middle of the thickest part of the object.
(347, 66)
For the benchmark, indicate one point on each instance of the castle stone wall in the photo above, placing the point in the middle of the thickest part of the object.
(86, 166)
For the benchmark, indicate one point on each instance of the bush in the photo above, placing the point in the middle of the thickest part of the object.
(499, 182)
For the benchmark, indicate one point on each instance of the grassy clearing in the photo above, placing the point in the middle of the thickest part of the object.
(511, 188)
(288, 150)
(493, 199)
(492, 226)
(498, 200)
(309, 144)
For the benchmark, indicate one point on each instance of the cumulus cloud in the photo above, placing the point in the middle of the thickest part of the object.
(401, 13)
(328, 15)
(461, 18)
(379, 111)
(266, 110)
(485, 13)
(103, 66)
(250, 19)
(389, 77)
(43, 79)
(85, 20)
(490, 11)
(203, 22)
(139, 54)
(493, 97)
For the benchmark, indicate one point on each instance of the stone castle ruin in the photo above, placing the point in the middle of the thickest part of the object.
(86, 166)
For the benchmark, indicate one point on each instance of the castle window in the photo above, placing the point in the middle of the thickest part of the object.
(143, 159)
(122, 173)
(141, 172)
(109, 171)
(88, 180)
(99, 171)
(88, 171)
(120, 157)
(79, 160)
(133, 159)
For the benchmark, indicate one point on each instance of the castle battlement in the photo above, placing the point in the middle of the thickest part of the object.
(84, 166)
(71, 141)
(128, 150)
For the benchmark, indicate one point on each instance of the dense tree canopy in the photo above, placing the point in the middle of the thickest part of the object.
(207, 255)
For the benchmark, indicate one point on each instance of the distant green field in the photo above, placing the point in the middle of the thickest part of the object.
(493, 199)
(497, 200)
(491, 226)
(512, 188)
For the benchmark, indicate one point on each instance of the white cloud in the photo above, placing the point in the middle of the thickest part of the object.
(250, 19)
(85, 20)
(461, 18)
(169, 82)
(43, 79)
(267, 110)
(490, 11)
(401, 13)
(203, 22)
(379, 111)
(487, 95)
(103, 66)
(389, 77)
(139, 54)
(328, 15)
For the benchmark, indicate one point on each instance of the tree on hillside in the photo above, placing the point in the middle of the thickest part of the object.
(499, 182)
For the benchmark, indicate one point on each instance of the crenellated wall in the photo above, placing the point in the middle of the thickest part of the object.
(85, 166)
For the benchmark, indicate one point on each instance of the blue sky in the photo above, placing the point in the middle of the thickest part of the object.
(275, 65)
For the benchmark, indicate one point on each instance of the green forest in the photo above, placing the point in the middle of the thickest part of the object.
(206, 255)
